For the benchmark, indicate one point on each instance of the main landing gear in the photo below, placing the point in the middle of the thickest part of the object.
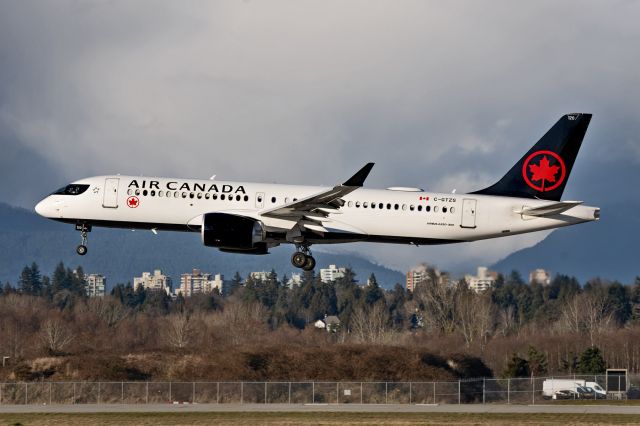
(84, 230)
(303, 259)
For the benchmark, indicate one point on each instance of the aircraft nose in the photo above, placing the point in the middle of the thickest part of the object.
(42, 207)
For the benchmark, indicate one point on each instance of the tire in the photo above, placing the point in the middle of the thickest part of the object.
(81, 250)
(299, 259)
(309, 264)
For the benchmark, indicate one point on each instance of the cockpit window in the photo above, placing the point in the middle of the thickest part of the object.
(73, 189)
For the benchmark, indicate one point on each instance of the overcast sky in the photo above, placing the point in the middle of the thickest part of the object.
(441, 95)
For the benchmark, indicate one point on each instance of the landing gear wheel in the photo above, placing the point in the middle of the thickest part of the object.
(299, 259)
(81, 250)
(309, 264)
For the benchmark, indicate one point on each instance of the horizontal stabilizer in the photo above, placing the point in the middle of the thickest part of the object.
(548, 209)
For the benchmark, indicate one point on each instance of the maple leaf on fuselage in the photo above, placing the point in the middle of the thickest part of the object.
(544, 171)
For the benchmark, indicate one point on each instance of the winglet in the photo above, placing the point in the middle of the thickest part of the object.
(359, 178)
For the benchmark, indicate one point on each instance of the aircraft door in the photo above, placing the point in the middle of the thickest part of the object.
(468, 213)
(110, 199)
(260, 200)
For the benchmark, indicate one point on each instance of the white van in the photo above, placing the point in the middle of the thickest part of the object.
(551, 386)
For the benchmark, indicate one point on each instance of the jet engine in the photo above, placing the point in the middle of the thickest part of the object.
(232, 233)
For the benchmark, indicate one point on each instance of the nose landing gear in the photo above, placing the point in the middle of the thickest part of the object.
(303, 259)
(84, 230)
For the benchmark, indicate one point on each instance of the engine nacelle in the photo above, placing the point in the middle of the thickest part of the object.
(233, 233)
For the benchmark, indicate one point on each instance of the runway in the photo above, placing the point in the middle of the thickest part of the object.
(342, 408)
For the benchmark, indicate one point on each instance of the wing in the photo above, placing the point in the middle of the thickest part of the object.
(310, 211)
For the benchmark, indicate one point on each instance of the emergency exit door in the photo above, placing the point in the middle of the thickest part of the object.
(468, 213)
(110, 199)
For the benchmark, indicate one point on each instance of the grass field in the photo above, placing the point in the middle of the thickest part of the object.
(283, 418)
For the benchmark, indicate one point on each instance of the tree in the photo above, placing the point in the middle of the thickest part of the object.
(55, 335)
(537, 362)
(517, 367)
(179, 330)
(591, 361)
(30, 281)
(373, 292)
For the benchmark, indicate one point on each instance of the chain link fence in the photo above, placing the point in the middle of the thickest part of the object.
(532, 390)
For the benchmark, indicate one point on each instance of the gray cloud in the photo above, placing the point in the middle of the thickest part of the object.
(440, 95)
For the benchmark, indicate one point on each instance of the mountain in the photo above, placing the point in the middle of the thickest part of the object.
(607, 248)
(122, 254)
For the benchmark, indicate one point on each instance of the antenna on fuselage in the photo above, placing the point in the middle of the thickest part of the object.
(212, 177)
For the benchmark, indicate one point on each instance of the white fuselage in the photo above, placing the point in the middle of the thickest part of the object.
(400, 216)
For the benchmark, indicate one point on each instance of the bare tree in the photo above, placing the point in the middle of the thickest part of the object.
(587, 313)
(475, 315)
(55, 335)
(371, 324)
(437, 297)
(179, 330)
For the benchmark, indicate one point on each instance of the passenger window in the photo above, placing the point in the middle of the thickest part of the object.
(428, 208)
(395, 206)
(184, 195)
(358, 204)
(160, 194)
(444, 210)
(412, 207)
(214, 196)
(137, 192)
(238, 198)
(191, 195)
(273, 199)
(404, 207)
(246, 198)
(223, 196)
(380, 206)
(259, 198)
(207, 196)
(388, 206)
(373, 205)
(153, 193)
(365, 204)
(435, 209)
(419, 208)
(129, 191)
(350, 204)
(452, 209)
(286, 200)
(199, 195)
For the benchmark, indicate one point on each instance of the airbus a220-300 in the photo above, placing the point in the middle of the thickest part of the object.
(251, 218)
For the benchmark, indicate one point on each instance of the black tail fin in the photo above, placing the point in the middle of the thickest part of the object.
(544, 170)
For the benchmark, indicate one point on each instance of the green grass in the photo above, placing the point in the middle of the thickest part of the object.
(317, 418)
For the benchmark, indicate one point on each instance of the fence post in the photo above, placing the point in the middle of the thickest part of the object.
(122, 390)
(508, 391)
(533, 390)
(170, 395)
(193, 393)
(484, 386)
(313, 392)
(1, 386)
(337, 392)
(361, 397)
(458, 392)
(146, 398)
(217, 392)
(410, 396)
(26, 391)
(386, 392)
(265, 392)
(434, 393)
(241, 392)
(50, 393)
(74, 392)
(289, 392)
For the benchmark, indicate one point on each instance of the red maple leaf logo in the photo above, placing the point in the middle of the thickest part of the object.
(544, 174)
(544, 171)
(133, 202)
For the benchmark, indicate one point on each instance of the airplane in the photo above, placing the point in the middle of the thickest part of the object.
(251, 218)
